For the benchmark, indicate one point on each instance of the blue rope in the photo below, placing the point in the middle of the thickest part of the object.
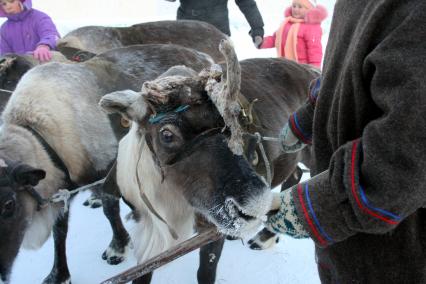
(159, 116)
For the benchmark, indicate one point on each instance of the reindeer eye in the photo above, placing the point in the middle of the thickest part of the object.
(167, 136)
(8, 208)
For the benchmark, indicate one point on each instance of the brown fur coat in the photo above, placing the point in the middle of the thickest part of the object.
(364, 211)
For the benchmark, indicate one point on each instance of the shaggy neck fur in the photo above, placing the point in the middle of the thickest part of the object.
(150, 235)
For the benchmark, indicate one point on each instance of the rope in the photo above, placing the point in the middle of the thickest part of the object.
(272, 139)
(6, 91)
(265, 158)
(64, 195)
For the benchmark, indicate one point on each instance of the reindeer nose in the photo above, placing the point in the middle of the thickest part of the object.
(236, 211)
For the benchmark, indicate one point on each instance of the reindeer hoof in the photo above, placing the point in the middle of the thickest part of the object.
(93, 202)
(115, 256)
(113, 260)
(263, 240)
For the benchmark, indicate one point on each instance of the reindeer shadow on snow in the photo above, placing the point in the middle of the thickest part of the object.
(186, 153)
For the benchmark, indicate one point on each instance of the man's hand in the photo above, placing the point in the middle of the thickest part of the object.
(42, 53)
(257, 41)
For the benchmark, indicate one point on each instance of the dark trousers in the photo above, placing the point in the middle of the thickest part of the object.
(217, 16)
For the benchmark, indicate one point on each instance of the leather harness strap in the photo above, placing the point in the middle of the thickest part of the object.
(54, 157)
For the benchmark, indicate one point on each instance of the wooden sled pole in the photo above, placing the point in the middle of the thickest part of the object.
(163, 258)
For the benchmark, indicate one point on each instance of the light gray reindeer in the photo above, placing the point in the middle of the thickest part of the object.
(54, 128)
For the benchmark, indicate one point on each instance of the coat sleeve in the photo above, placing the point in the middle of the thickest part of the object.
(301, 121)
(46, 31)
(268, 41)
(253, 16)
(312, 39)
(4, 43)
(374, 182)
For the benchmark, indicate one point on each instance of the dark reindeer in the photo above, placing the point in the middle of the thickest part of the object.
(14, 178)
(198, 35)
(184, 152)
(12, 68)
(55, 106)
(85, 42)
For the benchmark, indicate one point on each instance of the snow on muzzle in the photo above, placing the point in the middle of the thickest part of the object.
(241, 218)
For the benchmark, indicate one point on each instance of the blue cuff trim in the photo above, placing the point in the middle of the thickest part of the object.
(311, 209)
(367, 204)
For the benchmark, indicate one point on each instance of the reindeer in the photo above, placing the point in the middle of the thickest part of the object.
(85, 42)
(184, 153)
(88, 41)
(13, 67)
(52, 124)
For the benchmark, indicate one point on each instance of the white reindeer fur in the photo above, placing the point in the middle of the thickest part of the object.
(150, 235)
(70, 121)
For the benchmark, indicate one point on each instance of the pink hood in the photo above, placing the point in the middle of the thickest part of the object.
(314, 16)
(27, 5)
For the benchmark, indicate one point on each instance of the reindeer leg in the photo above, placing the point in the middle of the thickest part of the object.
(293, 179)
(59, 272)
(146, 279)
(265, 238)
(209, 258)
(118, 247)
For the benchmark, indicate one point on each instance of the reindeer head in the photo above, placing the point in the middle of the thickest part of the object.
(12, 68)
(14, 177)
(188, 132)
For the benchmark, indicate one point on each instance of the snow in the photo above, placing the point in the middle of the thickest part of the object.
(291, 261)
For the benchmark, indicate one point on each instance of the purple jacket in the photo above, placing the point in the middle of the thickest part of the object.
(23, 32)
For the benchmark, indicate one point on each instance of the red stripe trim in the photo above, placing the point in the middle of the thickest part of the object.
(297, 132)
(354, 193)
(308, 219)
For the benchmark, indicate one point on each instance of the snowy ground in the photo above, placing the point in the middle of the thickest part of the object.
(291, 261)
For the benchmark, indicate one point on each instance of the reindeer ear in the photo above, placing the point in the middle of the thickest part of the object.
(128, 103)
(27, 175)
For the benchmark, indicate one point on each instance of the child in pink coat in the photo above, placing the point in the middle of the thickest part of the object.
(299, 36)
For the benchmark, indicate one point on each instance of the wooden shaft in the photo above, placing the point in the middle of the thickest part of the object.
(163, 258)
